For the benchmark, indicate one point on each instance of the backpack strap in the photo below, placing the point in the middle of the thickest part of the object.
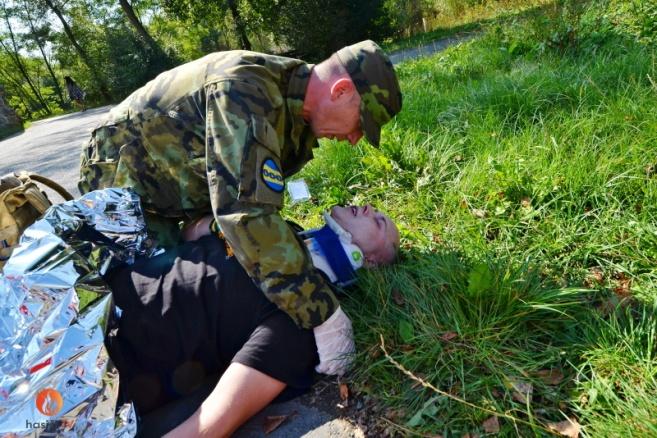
(23, 176)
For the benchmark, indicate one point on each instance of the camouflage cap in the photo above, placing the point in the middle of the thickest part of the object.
(376, 82)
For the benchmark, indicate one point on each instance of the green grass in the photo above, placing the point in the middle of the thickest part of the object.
(524, 181)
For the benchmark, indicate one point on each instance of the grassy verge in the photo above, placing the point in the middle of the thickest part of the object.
(523, 177)
(474, 18)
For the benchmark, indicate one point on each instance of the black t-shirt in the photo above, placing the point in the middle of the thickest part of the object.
(190, 312)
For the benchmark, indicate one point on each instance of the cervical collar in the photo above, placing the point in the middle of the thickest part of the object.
(333, 252)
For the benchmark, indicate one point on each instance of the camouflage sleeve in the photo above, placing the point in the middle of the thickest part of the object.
(246, 192)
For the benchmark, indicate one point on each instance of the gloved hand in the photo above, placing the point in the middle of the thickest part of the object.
(335, 344)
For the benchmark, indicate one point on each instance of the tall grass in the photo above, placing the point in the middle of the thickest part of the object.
(523, 177)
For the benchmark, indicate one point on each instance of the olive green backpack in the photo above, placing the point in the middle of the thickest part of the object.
(21, 204)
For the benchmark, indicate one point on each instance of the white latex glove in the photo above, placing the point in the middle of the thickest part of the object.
(335, 344)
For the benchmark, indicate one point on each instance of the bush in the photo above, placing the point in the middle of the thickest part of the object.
(314, 29)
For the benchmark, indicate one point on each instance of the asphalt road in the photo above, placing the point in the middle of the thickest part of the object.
(51, 147)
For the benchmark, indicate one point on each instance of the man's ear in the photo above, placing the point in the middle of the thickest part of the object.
(342, 87)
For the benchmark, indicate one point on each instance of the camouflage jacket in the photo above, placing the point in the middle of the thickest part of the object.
(220, 133)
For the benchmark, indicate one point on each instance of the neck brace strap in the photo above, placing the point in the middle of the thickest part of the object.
(334, 253)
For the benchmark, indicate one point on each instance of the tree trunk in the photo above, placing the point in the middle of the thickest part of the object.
(143, 33)
(58, 89)
(240, 26)
(16, 58)
(102, 84)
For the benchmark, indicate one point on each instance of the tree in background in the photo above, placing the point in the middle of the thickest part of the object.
(159, 59)
(214, 12)
(112, 47)
(95, 72)
(10, 44)
(38, 34)
(313, 29)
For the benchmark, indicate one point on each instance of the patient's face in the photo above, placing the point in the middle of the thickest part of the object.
(374, 232)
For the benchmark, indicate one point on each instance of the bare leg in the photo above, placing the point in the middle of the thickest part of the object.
(240, 394)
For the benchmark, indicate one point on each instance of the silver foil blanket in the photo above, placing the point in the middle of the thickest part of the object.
(55, 375)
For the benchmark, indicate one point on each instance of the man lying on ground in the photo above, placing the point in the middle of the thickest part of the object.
(192, 316)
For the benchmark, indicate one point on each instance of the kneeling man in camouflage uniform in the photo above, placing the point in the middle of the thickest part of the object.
(220, 134)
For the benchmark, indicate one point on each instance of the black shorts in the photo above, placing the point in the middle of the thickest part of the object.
(187, 314)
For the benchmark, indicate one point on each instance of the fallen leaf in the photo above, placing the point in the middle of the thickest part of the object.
(272, 422)
(479, 213)
(398, 298)
(492, 425)
(448, 336)
(522, 391)
(344, 392)
(597, 275)
(623, 286)
(569, 428)
(550, 377)
(395, 414)
(375, 352)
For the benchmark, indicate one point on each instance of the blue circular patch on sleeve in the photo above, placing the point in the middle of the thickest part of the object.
(272, 176)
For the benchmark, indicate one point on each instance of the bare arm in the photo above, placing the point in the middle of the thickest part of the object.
(241, 393)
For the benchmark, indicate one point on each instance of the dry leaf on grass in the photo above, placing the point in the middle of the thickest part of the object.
(479, 213)
(448, 336)
(623, 286)
(550, 377)
(526, 202)
(569, 428)
(522, 391)
(272, 422)
(398, 298)
(344, 392)
(395, 414)
(492, 425)
(597, 275)
(594, 278)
